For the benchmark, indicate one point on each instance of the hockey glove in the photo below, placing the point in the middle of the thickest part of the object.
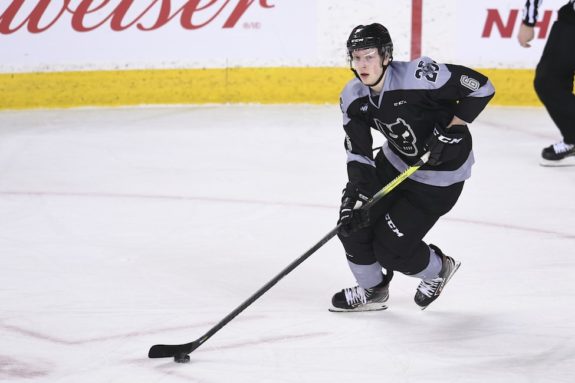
(351, 217)
(444, 145)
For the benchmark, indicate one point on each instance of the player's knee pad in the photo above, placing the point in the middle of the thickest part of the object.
(403, 256)
(358, 249)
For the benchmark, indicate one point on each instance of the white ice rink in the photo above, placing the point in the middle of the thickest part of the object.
(123, 228)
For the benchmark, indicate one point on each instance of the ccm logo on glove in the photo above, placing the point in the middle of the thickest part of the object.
(443, 146)
(445, 139)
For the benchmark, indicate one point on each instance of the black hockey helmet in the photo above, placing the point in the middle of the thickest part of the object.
(371, 36)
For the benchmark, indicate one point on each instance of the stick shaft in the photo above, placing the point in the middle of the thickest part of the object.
(161, 351)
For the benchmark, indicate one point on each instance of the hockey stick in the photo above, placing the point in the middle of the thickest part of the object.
(180, 351)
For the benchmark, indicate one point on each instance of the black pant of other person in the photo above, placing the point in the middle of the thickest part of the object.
(554, 78)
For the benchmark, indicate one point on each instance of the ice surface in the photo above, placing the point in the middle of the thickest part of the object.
(123, 228)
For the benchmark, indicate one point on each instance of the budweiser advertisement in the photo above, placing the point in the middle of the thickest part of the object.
(487, 33)
(113, 34)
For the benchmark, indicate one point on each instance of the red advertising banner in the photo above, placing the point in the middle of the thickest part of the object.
(47, 35)
(487, 33)
(87, 15)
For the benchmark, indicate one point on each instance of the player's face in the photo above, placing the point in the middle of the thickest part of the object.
(368, 64)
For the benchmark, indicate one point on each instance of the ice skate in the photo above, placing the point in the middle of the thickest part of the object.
(429, 290)
(559, 154)
(360, 299)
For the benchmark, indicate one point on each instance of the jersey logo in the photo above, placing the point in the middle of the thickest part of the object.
(400, 135)
(364, 108)
(392, 226)
(427, 70)
(469, 83)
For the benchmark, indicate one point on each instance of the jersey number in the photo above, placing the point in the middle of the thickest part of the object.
(427, 70)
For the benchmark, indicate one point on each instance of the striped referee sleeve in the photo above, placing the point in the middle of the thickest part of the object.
(530, 12)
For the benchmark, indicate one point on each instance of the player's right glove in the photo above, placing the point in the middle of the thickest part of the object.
(444, 145)
(351, 217)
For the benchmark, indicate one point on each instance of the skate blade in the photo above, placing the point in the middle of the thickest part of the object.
(371, 307)
(569, 161)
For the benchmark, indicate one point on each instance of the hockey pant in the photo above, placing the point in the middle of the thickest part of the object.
(399, 222)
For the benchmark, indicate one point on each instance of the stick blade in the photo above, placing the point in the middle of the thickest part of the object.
(168, 350)
(171, 350)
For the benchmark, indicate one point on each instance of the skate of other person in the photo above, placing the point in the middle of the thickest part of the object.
(554, 77)
(418, 106)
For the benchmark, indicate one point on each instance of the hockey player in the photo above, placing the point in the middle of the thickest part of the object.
(418, 106)
(554, 77)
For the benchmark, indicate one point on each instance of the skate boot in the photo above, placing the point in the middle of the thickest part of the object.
(559, 154)
(360, 299)
(429, 290)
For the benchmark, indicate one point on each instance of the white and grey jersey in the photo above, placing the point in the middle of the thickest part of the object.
(531, 12)
(416, 95)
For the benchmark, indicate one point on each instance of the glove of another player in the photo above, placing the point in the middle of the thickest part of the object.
(444, 145)
(351, 217)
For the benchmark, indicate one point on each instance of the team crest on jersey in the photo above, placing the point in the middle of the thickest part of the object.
(400, 135)
(427, 70)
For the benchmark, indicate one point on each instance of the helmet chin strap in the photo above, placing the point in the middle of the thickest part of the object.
(380, 77)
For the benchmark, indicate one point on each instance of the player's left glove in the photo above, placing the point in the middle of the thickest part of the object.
(444, 145)
(351, 217)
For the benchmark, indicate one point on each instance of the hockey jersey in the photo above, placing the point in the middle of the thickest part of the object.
(416, 95)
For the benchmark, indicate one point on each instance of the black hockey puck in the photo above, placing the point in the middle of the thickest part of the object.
(182, 358)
